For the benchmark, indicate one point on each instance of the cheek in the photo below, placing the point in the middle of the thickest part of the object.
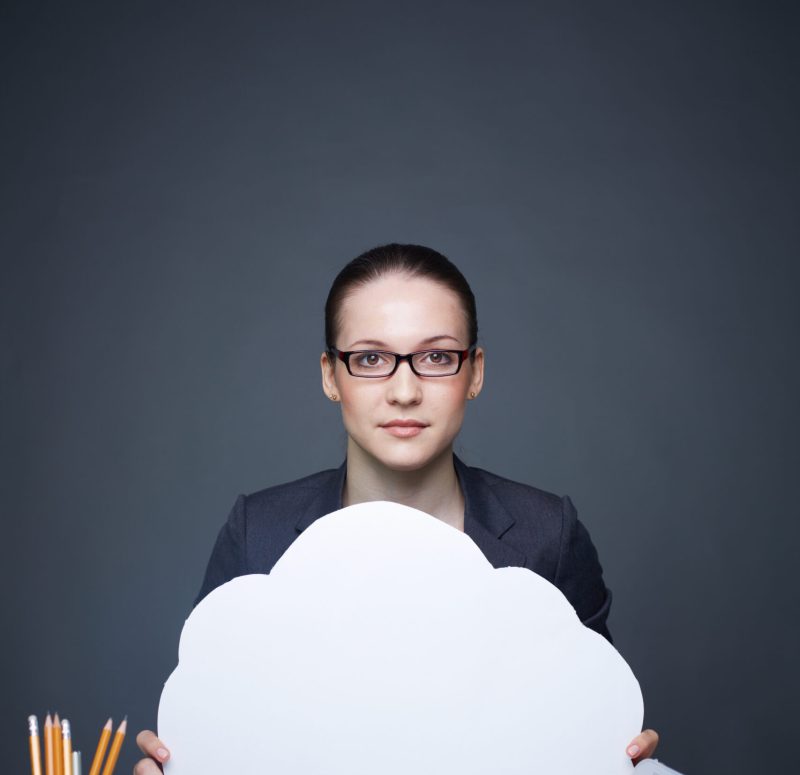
(358, 403)
(449, 402)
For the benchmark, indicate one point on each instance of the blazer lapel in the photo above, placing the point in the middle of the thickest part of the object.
(327, 499)
(486, 519)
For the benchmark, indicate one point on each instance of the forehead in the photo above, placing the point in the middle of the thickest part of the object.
(401, 312)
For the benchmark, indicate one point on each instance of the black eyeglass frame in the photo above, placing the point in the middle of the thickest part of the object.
(344, 357)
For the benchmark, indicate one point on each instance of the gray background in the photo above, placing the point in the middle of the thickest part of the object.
(618, 181)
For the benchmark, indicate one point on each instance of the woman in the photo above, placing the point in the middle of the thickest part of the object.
(402, 361)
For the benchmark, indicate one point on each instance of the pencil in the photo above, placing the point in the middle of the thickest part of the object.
(101, 749)
(113, 754)
(48, 746)
(76, 763)
(33, 738)
(66, 737)
(58, 747)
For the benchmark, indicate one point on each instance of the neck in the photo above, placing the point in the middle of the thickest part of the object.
(433, 489)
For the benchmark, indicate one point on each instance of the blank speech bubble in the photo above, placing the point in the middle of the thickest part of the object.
(384, 642)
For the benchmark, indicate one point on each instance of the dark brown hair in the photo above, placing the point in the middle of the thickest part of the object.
(408, 260)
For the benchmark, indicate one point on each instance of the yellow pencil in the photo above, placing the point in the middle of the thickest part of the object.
(33, 738)
(101, 749)
(48, 746)
(58, 747)
(66, 736)
(113, 754)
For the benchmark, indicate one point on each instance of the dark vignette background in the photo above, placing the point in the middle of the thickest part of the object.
(618, 181)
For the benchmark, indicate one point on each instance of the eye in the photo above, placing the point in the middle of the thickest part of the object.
(439, 357)
(370, 359)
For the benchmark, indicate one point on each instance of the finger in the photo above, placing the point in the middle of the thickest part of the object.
(643, 746)
(152, 746)
(146, 767)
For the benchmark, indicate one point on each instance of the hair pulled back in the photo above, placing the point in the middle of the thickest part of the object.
(395, 258)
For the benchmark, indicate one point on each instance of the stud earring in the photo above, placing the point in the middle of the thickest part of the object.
(472, 394)
(333, 396)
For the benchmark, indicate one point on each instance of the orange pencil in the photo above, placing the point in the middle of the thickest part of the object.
(58, 746)
(48, 746)
(66, 736)
(101, 749)
(33, 738)
(113, 754)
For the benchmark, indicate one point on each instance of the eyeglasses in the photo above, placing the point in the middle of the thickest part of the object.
(381, 363)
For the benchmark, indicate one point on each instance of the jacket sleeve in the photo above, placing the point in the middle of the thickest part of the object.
(579, 574)
(228, 558)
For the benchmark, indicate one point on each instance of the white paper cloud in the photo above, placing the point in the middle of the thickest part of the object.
(383, 642)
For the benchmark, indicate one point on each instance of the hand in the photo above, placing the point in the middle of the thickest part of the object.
(154, 749)
(643, 746)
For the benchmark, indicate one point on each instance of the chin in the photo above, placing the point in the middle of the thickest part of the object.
(406, 457)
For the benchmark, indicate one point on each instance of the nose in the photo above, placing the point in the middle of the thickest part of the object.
(404, 387)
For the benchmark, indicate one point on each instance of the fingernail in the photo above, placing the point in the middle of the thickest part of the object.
(633, 750)
(163, 753)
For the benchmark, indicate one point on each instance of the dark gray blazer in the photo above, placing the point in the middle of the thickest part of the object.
(513, 524)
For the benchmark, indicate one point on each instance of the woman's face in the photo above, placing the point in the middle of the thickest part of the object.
(403, 315)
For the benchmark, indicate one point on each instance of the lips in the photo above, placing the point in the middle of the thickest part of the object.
(404, 429)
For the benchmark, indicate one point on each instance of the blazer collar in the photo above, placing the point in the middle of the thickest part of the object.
(328, 497)
(485, 517)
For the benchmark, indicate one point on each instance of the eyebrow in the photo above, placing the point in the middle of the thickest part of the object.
(383, 345)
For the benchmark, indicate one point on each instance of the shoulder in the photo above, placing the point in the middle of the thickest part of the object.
(523, 501)
(296, 491)
(512, 489)
(528, 519)
(546, 529)
(264, 523)
(535, 522)
(293, 505)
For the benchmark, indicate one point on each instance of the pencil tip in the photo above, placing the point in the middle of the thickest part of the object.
(108, 724)
(122, 728)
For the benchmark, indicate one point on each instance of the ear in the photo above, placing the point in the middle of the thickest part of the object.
(476, 382)
(326, 364)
